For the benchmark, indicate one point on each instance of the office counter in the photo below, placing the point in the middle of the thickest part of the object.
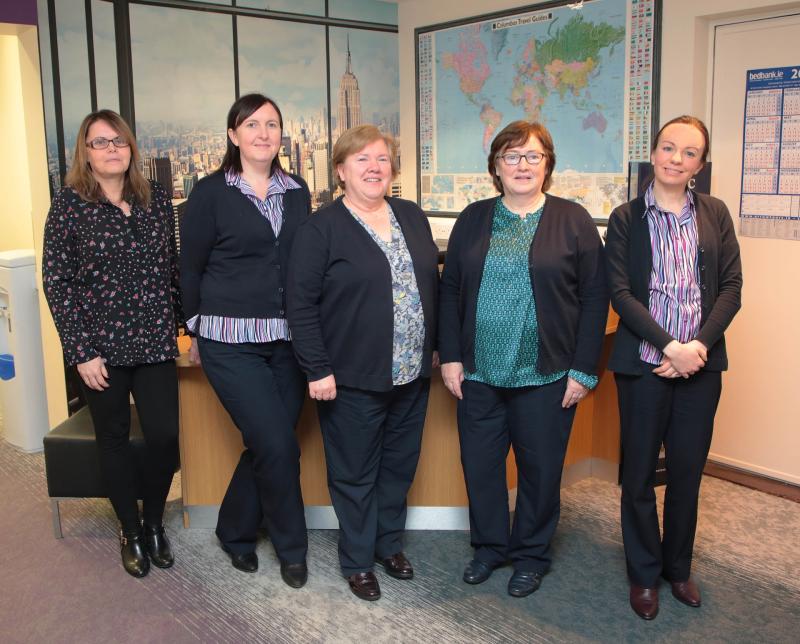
(211, 445)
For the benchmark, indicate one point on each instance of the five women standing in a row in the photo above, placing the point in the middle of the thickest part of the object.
(352, 312)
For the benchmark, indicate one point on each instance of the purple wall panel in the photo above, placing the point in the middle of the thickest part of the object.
(18, 12)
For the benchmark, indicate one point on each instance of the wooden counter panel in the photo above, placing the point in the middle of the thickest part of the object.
(313, 471)
(605, 421)
(211, 445)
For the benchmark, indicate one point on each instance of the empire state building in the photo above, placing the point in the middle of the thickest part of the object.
(349, 98)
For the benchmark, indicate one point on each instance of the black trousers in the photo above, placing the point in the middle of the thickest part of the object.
(679, 413)
(262, 388)
(372, 442)
(155, 393)
(490, 420)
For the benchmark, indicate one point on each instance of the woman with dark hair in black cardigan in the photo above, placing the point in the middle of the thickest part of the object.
(676, 280)
(362, 308)
(236, 237)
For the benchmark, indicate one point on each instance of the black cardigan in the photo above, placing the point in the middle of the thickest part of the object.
(568, 278)
(340, 296)
(231, 263)
(629, 260)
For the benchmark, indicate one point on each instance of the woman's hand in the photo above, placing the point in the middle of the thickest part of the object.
(194, 352)
(436, 362)
(574, 394)
(666, 370)
(94, 374)
(685, 359)
(323, 389)
(453, 376)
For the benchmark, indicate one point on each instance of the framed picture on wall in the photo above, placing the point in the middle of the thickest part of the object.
(586, 70)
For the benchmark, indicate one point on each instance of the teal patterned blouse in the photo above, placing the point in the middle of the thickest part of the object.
(506, 332)
(408, 338)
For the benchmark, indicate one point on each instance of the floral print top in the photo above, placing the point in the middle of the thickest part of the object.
(111, 280)
(408, 338)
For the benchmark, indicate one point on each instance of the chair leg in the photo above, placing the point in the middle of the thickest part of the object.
(55, 513)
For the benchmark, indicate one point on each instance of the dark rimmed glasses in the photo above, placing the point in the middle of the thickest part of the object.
(101, 143)
(513, 158)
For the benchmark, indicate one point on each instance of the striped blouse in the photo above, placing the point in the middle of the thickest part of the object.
(238, 330)
(675, 299)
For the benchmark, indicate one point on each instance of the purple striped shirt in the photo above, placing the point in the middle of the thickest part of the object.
(675, 301)
(238, 330)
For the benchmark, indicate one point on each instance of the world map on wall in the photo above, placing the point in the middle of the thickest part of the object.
(562, 67)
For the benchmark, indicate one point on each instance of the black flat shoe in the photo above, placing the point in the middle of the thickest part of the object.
(294, 574)
(365, 586)
(397, 566)
(248, 562)
(134, 554)
(158, 547)
(523, 584)
(477, 572)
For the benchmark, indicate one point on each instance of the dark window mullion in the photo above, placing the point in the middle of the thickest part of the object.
(331, 183)
(62, 156)
(122, 38)
(90, 54)
(235, 55)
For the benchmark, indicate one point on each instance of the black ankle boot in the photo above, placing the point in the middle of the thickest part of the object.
(158, 546)
(134, 554)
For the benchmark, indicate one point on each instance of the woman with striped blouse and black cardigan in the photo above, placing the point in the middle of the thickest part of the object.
(676, 278)
(235, 242)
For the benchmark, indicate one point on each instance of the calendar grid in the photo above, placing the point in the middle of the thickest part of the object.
(770, 185)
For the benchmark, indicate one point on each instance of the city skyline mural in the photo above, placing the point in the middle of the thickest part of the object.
(182, 64)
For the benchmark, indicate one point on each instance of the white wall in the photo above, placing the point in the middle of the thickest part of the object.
(16, 230)
(757, 421)
(685, 88)
(24, 190)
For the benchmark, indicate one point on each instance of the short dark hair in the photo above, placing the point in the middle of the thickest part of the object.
(686, 119)
(243, 108)
(518, 133)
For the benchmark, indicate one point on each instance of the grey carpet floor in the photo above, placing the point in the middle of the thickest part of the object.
(747, 562)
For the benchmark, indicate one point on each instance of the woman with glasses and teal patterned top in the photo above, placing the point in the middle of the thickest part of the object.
(110, 275)
(522, 315)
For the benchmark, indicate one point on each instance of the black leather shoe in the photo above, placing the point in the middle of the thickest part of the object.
(477, 572)
(134, 554)
(158, 547)
(294, 574)
(397, 566)
(248, 562)
(523, 584)
(365, 586)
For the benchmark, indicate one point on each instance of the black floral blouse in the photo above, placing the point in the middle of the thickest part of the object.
(111, 280)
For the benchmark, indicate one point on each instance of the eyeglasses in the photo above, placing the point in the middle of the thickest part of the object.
(513, 158)
(101, 143)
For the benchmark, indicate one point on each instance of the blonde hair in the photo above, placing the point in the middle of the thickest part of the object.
(80, 177)
(356, 139)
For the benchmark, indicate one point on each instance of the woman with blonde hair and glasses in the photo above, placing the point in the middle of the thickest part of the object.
(110, 276)
(522, 316)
